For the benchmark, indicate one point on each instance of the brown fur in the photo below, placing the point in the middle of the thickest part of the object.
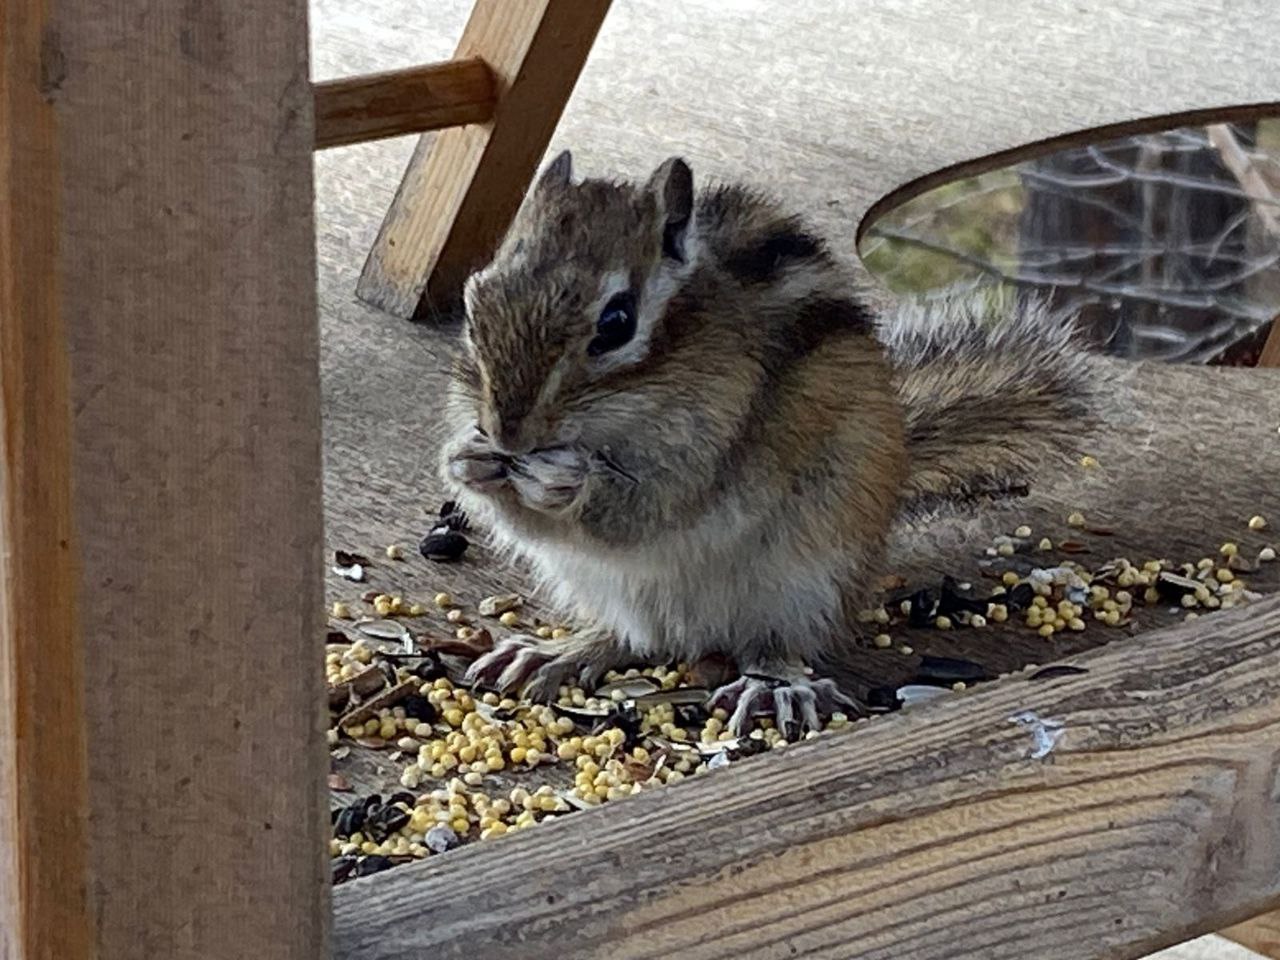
(724, 482)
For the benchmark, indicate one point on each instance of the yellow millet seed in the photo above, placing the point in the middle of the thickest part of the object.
(1257, 522)
(906, 650)
(1075, 519)
(1005, 550)
(1228, 549)
(1046, 544)
(1267, 554)
(559, 633)
(998, 613)
(1224, 575)
(1046, 630)
(395, 552)
(1009, 578)
(1088, 462)
(942, 623)
(341, 611)
(1022, 531)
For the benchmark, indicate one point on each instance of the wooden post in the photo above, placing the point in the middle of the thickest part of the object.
(463, 186)
(43, 779)
(1104, 814)
(160, 508)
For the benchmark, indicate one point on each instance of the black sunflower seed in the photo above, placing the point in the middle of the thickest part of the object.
(443, 547)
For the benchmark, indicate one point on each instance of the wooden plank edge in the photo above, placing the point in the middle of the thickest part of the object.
(414, 100)
(43, 760)
(1261, 934)
(1152, 818)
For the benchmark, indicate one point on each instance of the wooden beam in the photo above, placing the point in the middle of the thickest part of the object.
(43, 772)
(1105, 814)
(1270, 356)
(1261, 934)
(378, 105)
(463, 187)
(185, 248)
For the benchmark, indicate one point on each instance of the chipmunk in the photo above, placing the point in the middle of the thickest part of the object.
(673, 407)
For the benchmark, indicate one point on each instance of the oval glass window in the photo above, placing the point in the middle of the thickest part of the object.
(1166, 244)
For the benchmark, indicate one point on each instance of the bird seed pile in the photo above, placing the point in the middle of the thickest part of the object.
(473, 765)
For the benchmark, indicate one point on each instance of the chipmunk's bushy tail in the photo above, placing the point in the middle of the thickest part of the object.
(992, 394)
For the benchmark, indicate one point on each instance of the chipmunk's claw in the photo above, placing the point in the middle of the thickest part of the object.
(521, 663)
(797, 704)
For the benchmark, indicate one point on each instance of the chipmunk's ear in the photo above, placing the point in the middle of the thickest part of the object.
(672, 183)
(559, 172)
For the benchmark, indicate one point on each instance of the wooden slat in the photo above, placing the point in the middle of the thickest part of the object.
(187, 248)
(463, 187)
(1261, 934)
(933, 834)
(43, 778)
(1270, 356)
(374, 106)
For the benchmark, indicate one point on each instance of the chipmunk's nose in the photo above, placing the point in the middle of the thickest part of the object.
(507, 434)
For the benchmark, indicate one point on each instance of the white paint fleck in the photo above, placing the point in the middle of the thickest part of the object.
(1045, 733)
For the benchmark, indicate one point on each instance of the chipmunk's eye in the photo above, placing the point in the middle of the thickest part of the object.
(616, 326)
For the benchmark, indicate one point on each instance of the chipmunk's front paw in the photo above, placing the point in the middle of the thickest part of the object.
(474, 463)
(549, 480)
(796, 704)
(521, 663)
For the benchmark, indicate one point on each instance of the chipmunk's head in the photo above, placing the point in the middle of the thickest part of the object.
(571, 303)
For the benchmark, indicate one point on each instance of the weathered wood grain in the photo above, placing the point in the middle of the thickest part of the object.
(413, 100)
(463, 187)
(187, 251)
(932, 834)
(43, 772)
